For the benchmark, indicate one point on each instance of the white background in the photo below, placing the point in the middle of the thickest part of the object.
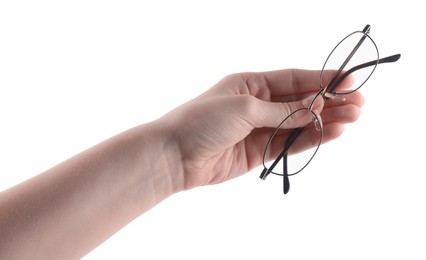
(73, 73)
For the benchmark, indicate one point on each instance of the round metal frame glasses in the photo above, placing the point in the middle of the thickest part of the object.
(360, 54)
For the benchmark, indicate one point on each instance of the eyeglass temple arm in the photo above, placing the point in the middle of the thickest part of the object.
(289, 142)
(283, 155)
(388, 59)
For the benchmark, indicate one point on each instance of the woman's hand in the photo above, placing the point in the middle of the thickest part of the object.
(222, 133)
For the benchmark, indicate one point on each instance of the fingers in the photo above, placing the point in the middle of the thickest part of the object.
(272, 114)
(309, 138)
(347, 113)
(333, 124)
(355, 98)
(284, 115)
(286, 85)
(293, 115)
(272, 85)
(330, 75)
(291, 81)
(333, 119)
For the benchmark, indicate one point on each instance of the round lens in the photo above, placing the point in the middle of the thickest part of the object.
(350, 64)
(301, 143)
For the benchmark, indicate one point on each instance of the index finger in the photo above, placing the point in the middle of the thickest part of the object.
(292, 81)
(290, 84)
(294, 84)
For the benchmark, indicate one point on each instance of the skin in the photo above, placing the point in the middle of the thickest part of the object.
(73, 207)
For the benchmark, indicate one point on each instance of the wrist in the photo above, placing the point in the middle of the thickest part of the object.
(160, 160)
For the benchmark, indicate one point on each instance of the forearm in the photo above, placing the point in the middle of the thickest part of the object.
(73, 207)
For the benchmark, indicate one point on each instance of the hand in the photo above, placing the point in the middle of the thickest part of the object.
(222, 133)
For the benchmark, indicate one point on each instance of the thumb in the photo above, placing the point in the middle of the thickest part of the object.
(272, 114)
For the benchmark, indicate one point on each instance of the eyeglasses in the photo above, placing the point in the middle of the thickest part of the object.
(349, 65)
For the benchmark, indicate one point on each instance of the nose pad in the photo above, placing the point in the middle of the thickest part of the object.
(316, 117)
(334, 96)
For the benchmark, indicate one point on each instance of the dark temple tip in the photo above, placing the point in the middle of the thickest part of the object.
(392, 58)
(286, 186)
(397, 56)
(263, 174)
(367, 28)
